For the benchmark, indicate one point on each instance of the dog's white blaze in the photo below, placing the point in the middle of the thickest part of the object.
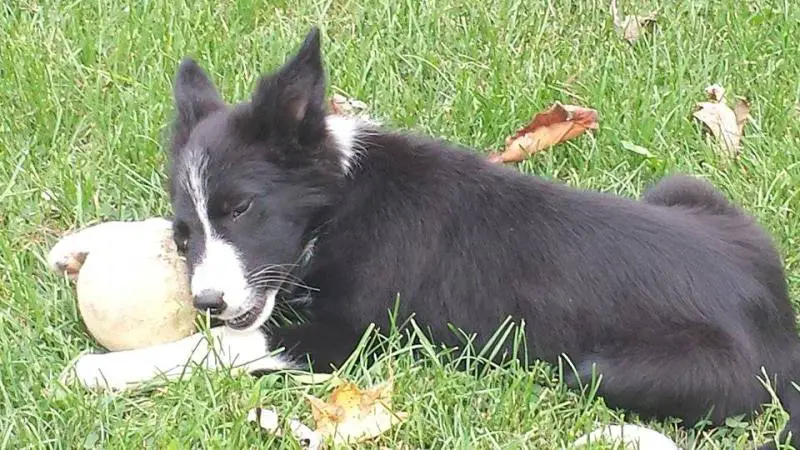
(195, 184)
(344, 131)
(220, 268)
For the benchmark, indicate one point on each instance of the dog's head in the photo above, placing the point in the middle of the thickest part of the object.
(250, 182)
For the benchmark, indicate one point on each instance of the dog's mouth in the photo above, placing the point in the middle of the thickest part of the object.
(261, 306)
(246, 320)
(261, 300)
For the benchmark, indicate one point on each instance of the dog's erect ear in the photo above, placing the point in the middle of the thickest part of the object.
(292, 100)
(195, 98)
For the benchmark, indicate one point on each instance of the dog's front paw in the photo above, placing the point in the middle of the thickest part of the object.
(93, 371)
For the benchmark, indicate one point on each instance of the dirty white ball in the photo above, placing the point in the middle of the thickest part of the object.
(135, 293)
(635, 437)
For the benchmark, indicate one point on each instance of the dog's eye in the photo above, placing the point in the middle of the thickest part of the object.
(241, 208)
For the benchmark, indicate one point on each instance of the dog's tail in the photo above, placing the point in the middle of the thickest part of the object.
(690, 192)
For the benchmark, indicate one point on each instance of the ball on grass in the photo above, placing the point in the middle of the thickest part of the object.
(136, 293)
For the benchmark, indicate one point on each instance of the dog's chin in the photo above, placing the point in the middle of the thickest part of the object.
(256, 315)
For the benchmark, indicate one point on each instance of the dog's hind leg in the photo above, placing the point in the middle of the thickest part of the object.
(693, 374)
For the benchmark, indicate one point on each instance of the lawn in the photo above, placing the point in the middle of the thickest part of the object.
(85, 90)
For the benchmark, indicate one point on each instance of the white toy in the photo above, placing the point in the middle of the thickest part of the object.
(635, 437)
(132, 285)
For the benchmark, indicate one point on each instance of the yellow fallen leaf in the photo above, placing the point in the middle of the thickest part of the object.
(558, 124)
(354, 415)
(631, 27)
(726, 125)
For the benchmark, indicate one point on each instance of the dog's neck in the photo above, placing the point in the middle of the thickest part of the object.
(346, 134)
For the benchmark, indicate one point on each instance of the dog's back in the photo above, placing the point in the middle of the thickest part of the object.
(677, 300)
(487, 242)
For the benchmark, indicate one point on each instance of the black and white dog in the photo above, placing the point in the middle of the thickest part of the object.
(678, 300)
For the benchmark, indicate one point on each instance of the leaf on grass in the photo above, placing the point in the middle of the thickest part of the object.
(345, 106)
(631, 147)
(354, 415)
(742, 112)
(631, 27)
(558, 124)
(726, 125)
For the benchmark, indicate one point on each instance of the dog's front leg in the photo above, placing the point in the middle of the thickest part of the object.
(221, 348)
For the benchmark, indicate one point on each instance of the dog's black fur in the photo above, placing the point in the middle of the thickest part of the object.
(677, 299)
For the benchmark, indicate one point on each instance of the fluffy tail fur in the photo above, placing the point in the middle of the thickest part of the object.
(690, 192)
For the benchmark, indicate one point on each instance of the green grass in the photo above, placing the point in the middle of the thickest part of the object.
(85, 99)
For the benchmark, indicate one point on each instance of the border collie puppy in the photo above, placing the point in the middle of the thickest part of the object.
(678, 300)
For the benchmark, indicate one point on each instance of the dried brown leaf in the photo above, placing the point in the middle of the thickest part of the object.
(558, 124)
(724, 124)
(715, 93)
(341, 105)
(631, 27)
(742, 112)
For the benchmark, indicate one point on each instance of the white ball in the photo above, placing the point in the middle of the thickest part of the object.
(135, 293)
(635, 437)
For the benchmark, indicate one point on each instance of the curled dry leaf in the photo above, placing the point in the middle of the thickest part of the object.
(631, 28)
(354, 415)
(341, 105)
(726, 125)
(558, 124)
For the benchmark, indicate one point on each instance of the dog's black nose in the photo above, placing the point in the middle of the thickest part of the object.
(210, 301)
